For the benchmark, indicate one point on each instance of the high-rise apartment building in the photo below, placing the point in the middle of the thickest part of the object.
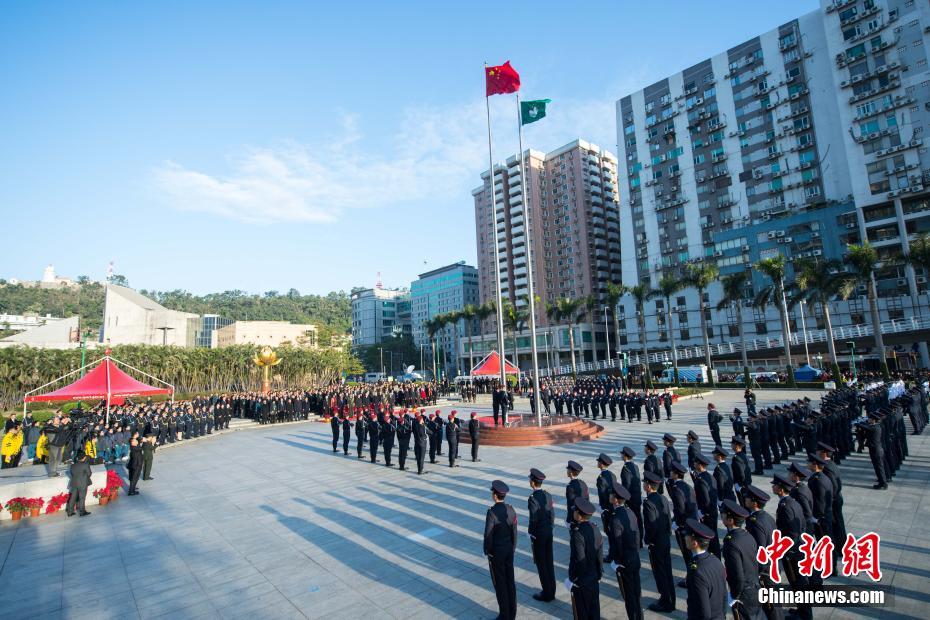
(440, 291)
(796, 142)
(574, 224)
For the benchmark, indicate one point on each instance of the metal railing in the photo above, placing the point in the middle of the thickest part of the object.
(895, 326)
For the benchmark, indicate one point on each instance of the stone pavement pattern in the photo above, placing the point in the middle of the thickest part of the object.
(268, 523)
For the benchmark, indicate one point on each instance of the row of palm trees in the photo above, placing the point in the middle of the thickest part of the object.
(816, 283)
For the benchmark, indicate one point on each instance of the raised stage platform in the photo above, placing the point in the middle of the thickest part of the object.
(33, 481)
(522, 430)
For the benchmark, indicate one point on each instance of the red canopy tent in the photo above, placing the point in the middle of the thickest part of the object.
(105, 382)
(490, 366)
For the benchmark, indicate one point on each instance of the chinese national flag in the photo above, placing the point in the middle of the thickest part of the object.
(501, 80)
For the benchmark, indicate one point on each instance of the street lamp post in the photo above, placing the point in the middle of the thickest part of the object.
(852, 357)
(381, 353)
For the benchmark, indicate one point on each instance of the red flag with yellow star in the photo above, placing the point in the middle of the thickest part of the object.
(501, 80)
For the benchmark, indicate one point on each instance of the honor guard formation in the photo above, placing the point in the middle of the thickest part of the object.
(706, 501)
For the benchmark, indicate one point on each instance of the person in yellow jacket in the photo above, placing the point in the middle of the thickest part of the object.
(90, 449)
(12, 447)
(42, 449)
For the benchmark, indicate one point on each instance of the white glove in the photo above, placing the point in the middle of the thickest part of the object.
(568, 585)
(614, 566)
(730, 600)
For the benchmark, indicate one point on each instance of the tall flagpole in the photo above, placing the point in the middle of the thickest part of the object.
(529, 271)
(497, 264)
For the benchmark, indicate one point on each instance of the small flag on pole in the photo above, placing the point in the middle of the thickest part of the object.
(501, 80)
(532, 111)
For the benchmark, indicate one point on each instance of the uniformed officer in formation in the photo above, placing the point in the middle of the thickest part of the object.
(739, 559)
(474, 435)
(604, 484)
(723, 475)
(629, 478)
(651, 462)
(542, 520)
(657, 525)
(575, 489)
(500, 544)
(713, 423)
(705, 494)
(585, 564)
(790, 520)
(707, 589)
(453, 429)
(760, 526)
(624, 542)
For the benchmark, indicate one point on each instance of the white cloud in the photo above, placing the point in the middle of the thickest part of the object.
(437, 153)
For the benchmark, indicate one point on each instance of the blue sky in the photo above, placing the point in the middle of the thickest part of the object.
(268, 145)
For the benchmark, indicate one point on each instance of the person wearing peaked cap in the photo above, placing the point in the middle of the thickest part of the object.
(705, 493)
(541, 521)
(361, 432)
(669, 455)
(420, 432)
(624, 544)
(739, 560)
(605, 481)
(500, 544)
(707, 594)
(790, 520)
(584, 565)
(723, 475)
(629, 477)
(739, 425)
(651, 462)
(404, 431)
(474, 436)
(694, 448)
(821, 489)
(832, 471)
(657, 527)
(374, 437)
(575, 489)
(650, 445)
(432, 431)
(453, 430)
(440, 432)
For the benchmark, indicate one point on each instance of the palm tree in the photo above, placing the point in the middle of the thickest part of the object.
(774, 269)
(612, 298)
(514, 319)
(569, 311)
(641, 293)
(701, 277)
(469, 312)
(590, 303)
(434, 326)
(864, 262)
(453, 317)
(819, 283)
(734, 291)
(918, 257)
(668, 286)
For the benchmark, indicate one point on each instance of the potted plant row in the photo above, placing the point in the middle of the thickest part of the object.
(18, 505)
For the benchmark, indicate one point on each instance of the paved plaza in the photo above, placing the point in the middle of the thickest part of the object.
(268, 523)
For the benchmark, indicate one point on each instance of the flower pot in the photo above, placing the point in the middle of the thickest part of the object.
(103, 499)
(34, 512)
(17, 515)
(114, 494)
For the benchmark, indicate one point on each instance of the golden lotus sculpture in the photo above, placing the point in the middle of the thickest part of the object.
(265, 359)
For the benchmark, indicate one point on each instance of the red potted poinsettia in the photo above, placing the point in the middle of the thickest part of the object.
(35, 505)
(114, 484)
(102, 495)
(17, 506)
(57, 501)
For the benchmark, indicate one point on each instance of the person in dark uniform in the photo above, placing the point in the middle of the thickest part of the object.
(78, 484)
(789, 519)
(684, 507)
(576, 488)
(723, 475)
(754, 432)
(346, 433)
(874, 438)
(585, 567)
(694, 448)
(624, 542)
(500, 544)
(134, 465)
(388, 433)
(802, 495)
(669, 455)
(440, 431)
(474, 434)
(739, 560)
(667, 402)
(651, 462)
(419, 441)
(832, 471)
(760, 526)
(374, 437)
(657, 524)
(148, 456)
(542, 520)
(605, 482)
(705, 494)
(361, 430)
(432, 432)
(453, 429)
(335, 425)
(629, 477)
(404, 430)
(739, 425)
(495, 403)
(713, 423)
(739, 465)
(822, 491)
(707, 592)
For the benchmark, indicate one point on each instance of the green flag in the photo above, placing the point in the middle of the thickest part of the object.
(532, 111)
